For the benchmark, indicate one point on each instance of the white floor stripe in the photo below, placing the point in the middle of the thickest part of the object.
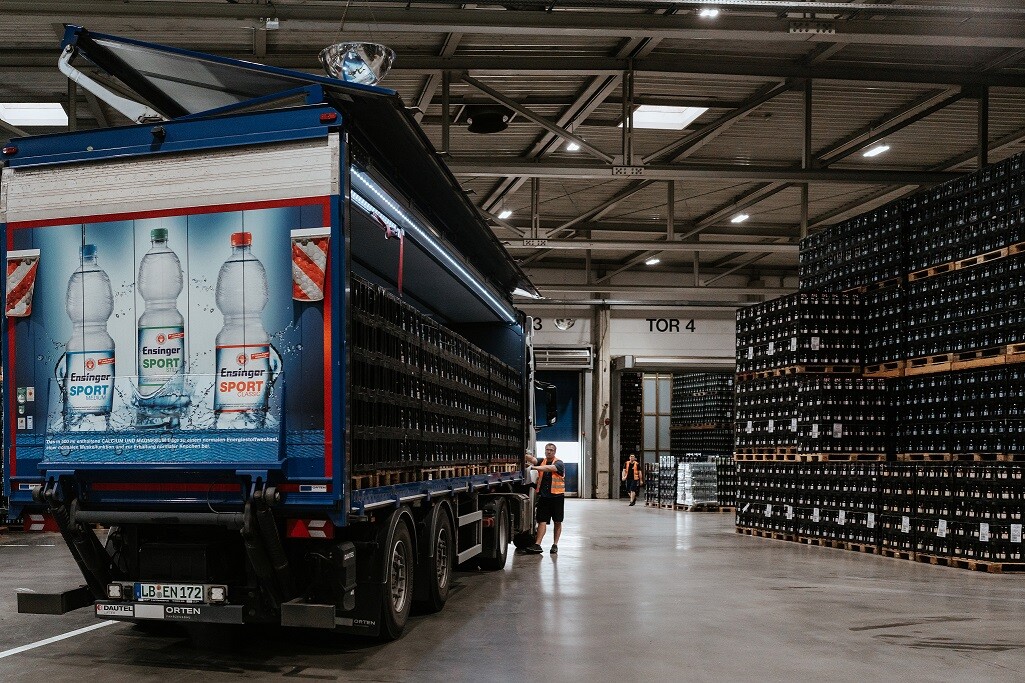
(63, 636)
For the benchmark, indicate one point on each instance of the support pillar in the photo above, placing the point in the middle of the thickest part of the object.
(602, 402)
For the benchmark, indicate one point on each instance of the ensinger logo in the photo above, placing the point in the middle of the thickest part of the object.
(241, 359)
(90, 364)
(161, 338)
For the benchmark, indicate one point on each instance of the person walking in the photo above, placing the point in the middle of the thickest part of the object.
(634, 478)
(551, 502)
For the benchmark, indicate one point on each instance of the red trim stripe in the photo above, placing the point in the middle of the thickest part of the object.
(328, 349)
(161, 213)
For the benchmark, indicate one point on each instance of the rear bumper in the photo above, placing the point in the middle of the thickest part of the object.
(150, 611)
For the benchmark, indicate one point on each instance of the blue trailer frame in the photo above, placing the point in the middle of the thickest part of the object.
(293, 107)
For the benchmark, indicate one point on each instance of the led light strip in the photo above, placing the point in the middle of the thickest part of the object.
(427, 239)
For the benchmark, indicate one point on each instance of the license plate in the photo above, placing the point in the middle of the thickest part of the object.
(169, 592)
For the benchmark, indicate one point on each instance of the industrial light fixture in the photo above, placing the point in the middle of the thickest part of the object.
(739, 218)
(504, 214)
(565, 323)
(271, 24)
(709, 13)
(572, 146)
(653, 262)
(875, 151)
(33, 114)
(662, 117)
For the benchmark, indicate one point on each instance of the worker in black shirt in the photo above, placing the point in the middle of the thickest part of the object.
(633, 477)
(551, 491)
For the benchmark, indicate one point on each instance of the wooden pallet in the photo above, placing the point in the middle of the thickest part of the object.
(965, 360)
(810, 457)
(896, 553)
(980, 259)
(987, 457)
(805, 369)
(991, 566)
(923, 457)
(932, 271)
(893, 368)
(928, 364)
(787, 450)
(764, 533)
(706, 508)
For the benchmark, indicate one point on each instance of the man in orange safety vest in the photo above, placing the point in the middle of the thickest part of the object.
(551, 492)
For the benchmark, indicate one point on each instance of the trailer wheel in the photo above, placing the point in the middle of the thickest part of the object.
(437, 567)
(497, 538)
(398, 562)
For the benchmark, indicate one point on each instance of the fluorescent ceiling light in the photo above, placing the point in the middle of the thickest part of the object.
(524, 293)
(875, 151)
(665, 117)
(505, 214)
(739, 218)
(33, 114)
(572, 147)
(653, 262)
(709, 13)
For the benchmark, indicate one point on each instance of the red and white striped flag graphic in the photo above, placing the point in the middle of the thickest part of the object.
(309, 263)
(21, 282)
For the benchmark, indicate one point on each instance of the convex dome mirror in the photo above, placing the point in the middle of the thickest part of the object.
(363, 63)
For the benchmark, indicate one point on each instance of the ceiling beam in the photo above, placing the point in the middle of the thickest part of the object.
(718, 69)
(539, 120)
(656, 290)
(634, 245)
(496, 167)
(962, 31)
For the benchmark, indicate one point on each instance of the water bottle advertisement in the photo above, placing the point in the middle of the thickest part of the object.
(171, 340)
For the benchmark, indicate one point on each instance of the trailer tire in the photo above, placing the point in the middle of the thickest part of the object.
(497, 537)
(437, 560)
(398, 562)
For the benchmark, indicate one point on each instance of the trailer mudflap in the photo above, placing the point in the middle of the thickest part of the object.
(55, 603)
(307, 614)
(147, 611)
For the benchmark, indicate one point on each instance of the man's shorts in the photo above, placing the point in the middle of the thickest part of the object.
(551, 508)
(632, 485)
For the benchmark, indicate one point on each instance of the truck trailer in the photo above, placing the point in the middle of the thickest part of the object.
(260, 355)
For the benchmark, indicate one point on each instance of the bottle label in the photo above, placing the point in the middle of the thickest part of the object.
(90, 381)
(243, 378)
(161, 356)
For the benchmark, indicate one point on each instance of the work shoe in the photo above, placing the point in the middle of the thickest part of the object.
(554, 549)
(535, 549)
(632, 503)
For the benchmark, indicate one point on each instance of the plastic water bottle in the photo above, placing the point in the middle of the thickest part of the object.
(242, 385)
(161, 363)
(89, 358)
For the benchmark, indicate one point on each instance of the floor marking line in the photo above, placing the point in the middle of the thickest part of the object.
(47, 641)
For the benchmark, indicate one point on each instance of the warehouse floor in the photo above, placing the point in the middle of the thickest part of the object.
(635, 594)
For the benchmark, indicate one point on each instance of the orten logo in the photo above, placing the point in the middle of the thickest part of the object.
(90, 364)
(241, 359)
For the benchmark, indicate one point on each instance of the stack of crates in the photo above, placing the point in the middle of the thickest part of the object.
(424, 396)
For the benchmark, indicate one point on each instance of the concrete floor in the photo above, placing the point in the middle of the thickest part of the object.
(634, 594)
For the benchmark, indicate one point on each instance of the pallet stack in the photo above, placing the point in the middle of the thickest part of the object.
(426, 402)
(800, 396)
(701, 414)
(941, 276)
